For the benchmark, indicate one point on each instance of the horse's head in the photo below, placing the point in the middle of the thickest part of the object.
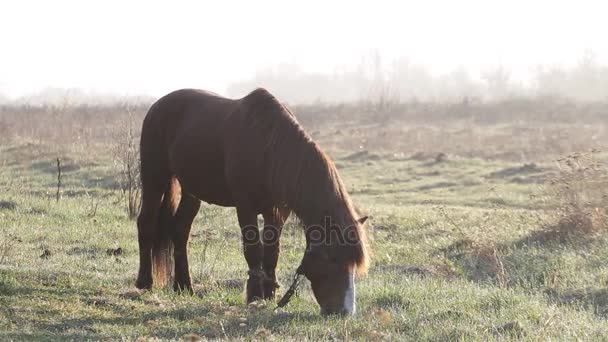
(331, 269)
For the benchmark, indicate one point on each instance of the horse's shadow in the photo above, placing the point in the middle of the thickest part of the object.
(122, 317)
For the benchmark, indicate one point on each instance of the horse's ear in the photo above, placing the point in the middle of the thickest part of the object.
(362, 220)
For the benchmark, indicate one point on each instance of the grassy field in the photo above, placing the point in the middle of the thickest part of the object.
(465, 247)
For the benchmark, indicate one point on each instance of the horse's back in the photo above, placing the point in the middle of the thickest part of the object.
(187, 105)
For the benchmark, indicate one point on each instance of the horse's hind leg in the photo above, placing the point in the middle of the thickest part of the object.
(274, 220)
(148, 230)
(186, 212)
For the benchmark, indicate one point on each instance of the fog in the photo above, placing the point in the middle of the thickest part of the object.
(342, 51)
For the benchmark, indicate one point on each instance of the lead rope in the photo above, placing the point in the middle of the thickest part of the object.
(297, 279)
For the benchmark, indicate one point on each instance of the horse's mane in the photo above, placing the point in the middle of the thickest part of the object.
(302, 177)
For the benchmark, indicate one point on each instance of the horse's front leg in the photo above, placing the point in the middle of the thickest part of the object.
(252, 248)
(274, 219)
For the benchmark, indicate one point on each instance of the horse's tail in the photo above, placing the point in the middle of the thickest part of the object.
(162, 250)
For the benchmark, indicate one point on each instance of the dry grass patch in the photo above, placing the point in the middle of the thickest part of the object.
(577, 198)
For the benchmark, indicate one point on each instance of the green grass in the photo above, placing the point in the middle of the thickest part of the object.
(457, 256)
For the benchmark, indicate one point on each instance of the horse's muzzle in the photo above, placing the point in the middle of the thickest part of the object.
(349, 305)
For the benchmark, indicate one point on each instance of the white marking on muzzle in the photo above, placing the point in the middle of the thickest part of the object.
(350, 307)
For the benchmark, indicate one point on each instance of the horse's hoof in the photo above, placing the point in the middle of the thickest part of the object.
(183, 288)
(143, 285)
(270, 289)
(270, 297)
(253, 299)
(255, 290)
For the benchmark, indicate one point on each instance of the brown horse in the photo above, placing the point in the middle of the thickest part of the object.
(251, 154)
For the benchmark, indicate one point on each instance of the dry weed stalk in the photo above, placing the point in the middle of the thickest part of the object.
(126, 154)
(450, 220)
(58, 193)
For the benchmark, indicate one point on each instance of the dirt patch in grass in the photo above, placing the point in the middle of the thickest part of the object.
(50, 166)
(525, 174)
(513, 328)
(595, 299)
(443, 271)
(426, 156)
(516, 171)
(89, 252)
(390, 300)
(438, 185)
(361, 156)
(8, 205)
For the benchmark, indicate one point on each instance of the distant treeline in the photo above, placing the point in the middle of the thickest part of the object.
(404, 81)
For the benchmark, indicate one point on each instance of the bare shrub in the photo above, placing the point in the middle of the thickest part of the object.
(577, 196)
(480, 259)
(485, 262)
(126, 158)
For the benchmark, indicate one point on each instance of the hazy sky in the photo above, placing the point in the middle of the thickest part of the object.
(153, 47)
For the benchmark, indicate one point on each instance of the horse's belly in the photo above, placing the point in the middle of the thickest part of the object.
(215, 195)
(203, 179)
(211, 188)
